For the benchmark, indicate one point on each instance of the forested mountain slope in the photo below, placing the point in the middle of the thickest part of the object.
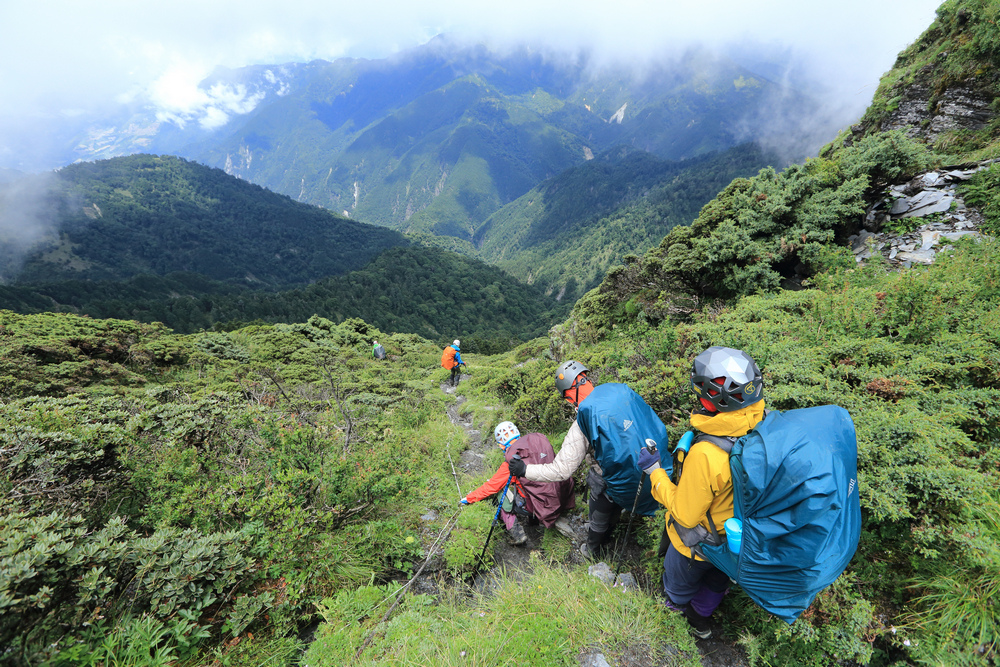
(436, 139)
(116, 218)
(566, 233)
(426, 291)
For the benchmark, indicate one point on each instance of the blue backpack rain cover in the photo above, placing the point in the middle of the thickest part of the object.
(617, 422)
(795, 490)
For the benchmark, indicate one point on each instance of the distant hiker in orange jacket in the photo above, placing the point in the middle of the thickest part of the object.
(452, 360)
(526, 500)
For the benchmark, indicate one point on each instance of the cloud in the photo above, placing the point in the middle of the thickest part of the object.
(27, 218)
(64, 57)
(179, 97)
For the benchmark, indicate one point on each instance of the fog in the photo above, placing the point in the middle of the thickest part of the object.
(27, 217)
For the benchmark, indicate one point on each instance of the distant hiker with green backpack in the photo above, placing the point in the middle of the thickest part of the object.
(611, 426)
(764, 498)
(525, 500)
(452, 360)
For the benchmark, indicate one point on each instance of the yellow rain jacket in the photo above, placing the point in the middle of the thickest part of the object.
(706, 483)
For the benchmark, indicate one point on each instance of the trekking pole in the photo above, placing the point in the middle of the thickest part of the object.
(650, 447)
(503, 494)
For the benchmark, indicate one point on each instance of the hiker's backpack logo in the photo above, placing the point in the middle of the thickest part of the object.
(628, 422)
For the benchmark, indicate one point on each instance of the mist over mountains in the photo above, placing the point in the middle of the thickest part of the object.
(251, 117)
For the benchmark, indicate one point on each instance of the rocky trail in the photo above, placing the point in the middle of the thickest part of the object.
(715, 651)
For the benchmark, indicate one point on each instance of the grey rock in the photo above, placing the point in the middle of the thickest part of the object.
(593, 660)
(430, 516)
(917, 256)
(626, 582)
(603, 572)
(932, 179)
(900, 206)
(954, 236)
(961, 175)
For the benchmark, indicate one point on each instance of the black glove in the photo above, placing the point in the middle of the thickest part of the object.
(517, 467)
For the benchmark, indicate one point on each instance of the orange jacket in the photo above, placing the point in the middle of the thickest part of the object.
(494, 484)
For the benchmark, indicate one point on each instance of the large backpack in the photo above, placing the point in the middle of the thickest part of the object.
(617, 423)
(379, 352)
(448, 357)
(795, 490)
(545, 499)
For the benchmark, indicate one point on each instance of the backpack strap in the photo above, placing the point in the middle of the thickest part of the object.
(693, 538)
(723, 442)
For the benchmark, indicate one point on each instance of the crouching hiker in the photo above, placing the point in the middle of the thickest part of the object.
(611, 426)
(526, 500)
(729, 387)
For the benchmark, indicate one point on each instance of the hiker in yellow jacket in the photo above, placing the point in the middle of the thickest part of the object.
(730, 389)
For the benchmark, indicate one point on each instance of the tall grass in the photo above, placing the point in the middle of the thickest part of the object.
(960, 603)
(546, 617)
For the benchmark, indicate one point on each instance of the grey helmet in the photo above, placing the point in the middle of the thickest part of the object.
(742, 383)
(567, 373)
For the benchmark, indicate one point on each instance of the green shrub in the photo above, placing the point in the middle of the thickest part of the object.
(56, 578)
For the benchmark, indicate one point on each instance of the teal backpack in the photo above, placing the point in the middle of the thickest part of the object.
(795, 490)
(617, 423)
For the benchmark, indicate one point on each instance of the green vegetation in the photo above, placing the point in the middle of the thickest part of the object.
(439, 140)
(915, 358)
(568, 232)
(146, 214)
(960, 49)
(983, 190)
(564, 614)
(204, 499)
(277, 472)
(761, 231)
(430, 292)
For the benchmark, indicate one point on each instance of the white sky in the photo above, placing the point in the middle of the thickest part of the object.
(65, 57)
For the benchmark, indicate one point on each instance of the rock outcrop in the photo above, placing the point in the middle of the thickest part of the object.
(927, 114)
(933, 195)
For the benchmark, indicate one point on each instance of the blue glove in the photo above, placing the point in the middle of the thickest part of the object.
(649, 461)
(517, 467)
(463, 501)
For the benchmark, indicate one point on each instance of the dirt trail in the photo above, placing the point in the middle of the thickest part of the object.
(715, 652)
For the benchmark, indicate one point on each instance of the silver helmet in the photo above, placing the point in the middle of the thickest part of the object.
(728, 379)
(567, 373)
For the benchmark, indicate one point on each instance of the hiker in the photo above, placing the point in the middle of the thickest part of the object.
(526, 500)
(452, 360)
(611, 424)
(730, 393)
(378, 352)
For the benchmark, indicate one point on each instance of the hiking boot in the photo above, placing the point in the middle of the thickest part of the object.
(587, 553)
(517, 535)
(698, 624)
(563, 526)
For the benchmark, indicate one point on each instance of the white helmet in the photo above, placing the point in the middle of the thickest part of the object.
(455, 343)
(505, 433)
